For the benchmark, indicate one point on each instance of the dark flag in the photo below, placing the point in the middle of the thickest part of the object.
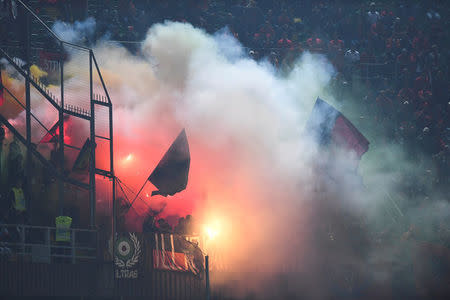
(82, 161)
(171, 174)
(326, 124)
(53, 133)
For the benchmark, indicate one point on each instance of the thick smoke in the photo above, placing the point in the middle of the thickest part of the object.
(253, 170)
(239, 115)
(256, 177)
(79, 32)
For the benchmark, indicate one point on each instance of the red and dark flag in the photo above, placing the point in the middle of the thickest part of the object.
(328, 125)
(171, 174)
(347, 136)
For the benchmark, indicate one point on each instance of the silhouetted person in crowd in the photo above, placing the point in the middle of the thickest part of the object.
(149, 224)
(180, 228)
(15, 162)
(163, 226)
(189, 225)
(17, 203)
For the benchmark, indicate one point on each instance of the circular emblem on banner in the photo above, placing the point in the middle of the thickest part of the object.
(124, 248)
(127, 251)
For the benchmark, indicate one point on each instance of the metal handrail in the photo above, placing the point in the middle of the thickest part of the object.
(50, 246)
(101, 77)
(46, 227)
(27, 8)
(62, 100)
(373, 63)
(25, 248)
(23, 106)
(25, 74)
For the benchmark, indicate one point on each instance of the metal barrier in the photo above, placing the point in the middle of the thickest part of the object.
(73, 86)
(371, 71)
(38, 244)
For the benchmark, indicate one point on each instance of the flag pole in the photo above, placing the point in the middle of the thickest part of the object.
(208, 293)
(137, 195)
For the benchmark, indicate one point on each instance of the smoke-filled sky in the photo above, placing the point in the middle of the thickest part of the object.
(255, 175)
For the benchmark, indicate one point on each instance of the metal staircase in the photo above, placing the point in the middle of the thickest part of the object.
(78, 90)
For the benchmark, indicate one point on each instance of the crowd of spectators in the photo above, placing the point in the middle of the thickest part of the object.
(12, 206)
(392, 56)
(397, 50)
(153, 223)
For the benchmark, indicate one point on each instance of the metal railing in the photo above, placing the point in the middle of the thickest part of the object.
(39, 244)
(73, 85)
(371, 71)
(68, 65)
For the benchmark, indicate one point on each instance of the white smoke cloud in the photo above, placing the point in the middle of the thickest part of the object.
(253, 170)
(79, 32)
(244, 123)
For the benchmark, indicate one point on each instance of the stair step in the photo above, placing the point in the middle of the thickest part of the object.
(72, 109)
